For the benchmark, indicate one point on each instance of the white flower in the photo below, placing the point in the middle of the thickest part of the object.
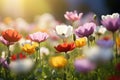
(3, 54)
(21, 66)
(44, 51)
(114, 15)
(100, 29)
(64, 31)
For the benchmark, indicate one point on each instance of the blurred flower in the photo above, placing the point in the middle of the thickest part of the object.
(117, 67)
(21, 65)
(73, 16)
(118, 42)
(114, 77)
(38, 36)
(100, 30)
(85, 30)
(4, 63)
(29, 48)
(65, 47)
(111, 22)
(15, 57)
(11, 35)
(58, 61)
(5, 42)
(97, 54)
(84, 65)
(105, 43)
(64, 31)
(44, 51)
(80, 42)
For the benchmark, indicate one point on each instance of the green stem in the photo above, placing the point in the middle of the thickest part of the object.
(8, 57)
(88, 41)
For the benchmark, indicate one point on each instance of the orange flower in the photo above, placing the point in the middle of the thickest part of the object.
(65, 47)
(11, 35)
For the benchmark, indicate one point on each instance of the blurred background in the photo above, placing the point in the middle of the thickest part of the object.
(29, 9)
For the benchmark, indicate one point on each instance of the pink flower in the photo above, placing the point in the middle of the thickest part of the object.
(73, 16)
(38, 36)
(5, 42)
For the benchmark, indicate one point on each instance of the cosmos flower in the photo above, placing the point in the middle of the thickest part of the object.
(5, 42)
(44, 51)
(58, 61)
(80, 42)
(65, 47)
(21, 65)
(64, 31)
(100, 30)
(85, 30)
(73, 16)
(111, 22)
(11, 35)
(84, 65)
(38, 36)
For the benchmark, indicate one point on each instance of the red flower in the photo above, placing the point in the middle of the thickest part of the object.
(18, 56)
(118, 66)
(65, 47)
(114, 77)
(11, 35)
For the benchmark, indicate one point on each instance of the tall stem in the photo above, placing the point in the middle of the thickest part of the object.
(114, 38)
(88, 41)
(8, 57)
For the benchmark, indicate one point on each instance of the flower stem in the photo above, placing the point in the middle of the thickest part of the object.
(88, 41)
(8, 57)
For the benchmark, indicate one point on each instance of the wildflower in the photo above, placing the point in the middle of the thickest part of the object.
(111, 22)
(65, 47)
(84, 65)
(80, 42)
(14, 57)
(44, 51)
(58, 61)
(11, 35)
(73, 16)
(4, 63)
(85, 30)
(100, 30)
(64, 31)
(38, 36)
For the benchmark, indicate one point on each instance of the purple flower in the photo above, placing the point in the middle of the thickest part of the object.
(105, 43)
(38, 36)
(73, 16)
(85, 30)
(111, 22)
(5, 42)
(84, 65)
(4, 63)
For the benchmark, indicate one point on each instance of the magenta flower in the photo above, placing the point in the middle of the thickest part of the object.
(84, 65)
(5, 42)
(85, 30)
(73, 16)
(111, 22)
(38, 36)
(105, 43)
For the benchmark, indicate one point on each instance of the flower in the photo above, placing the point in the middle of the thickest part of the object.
(85, 30)
(117, 67)
(15, 57)
(114, 77)
(111, 22)
(4, 63)
(84, 65)
(38, 36)
(80, 42)
(44, 51)
(21, 65)
(105, 43)
(73, 16)
(29, 48)
(100, 30)
(118, 42)
(5, 42)
(11, 35)
(64, 31)
(65, 47)
(58, 61)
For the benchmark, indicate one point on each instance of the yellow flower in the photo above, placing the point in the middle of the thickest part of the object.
(58, 61)
(29, 48)
(81, 42)
(118, 42)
